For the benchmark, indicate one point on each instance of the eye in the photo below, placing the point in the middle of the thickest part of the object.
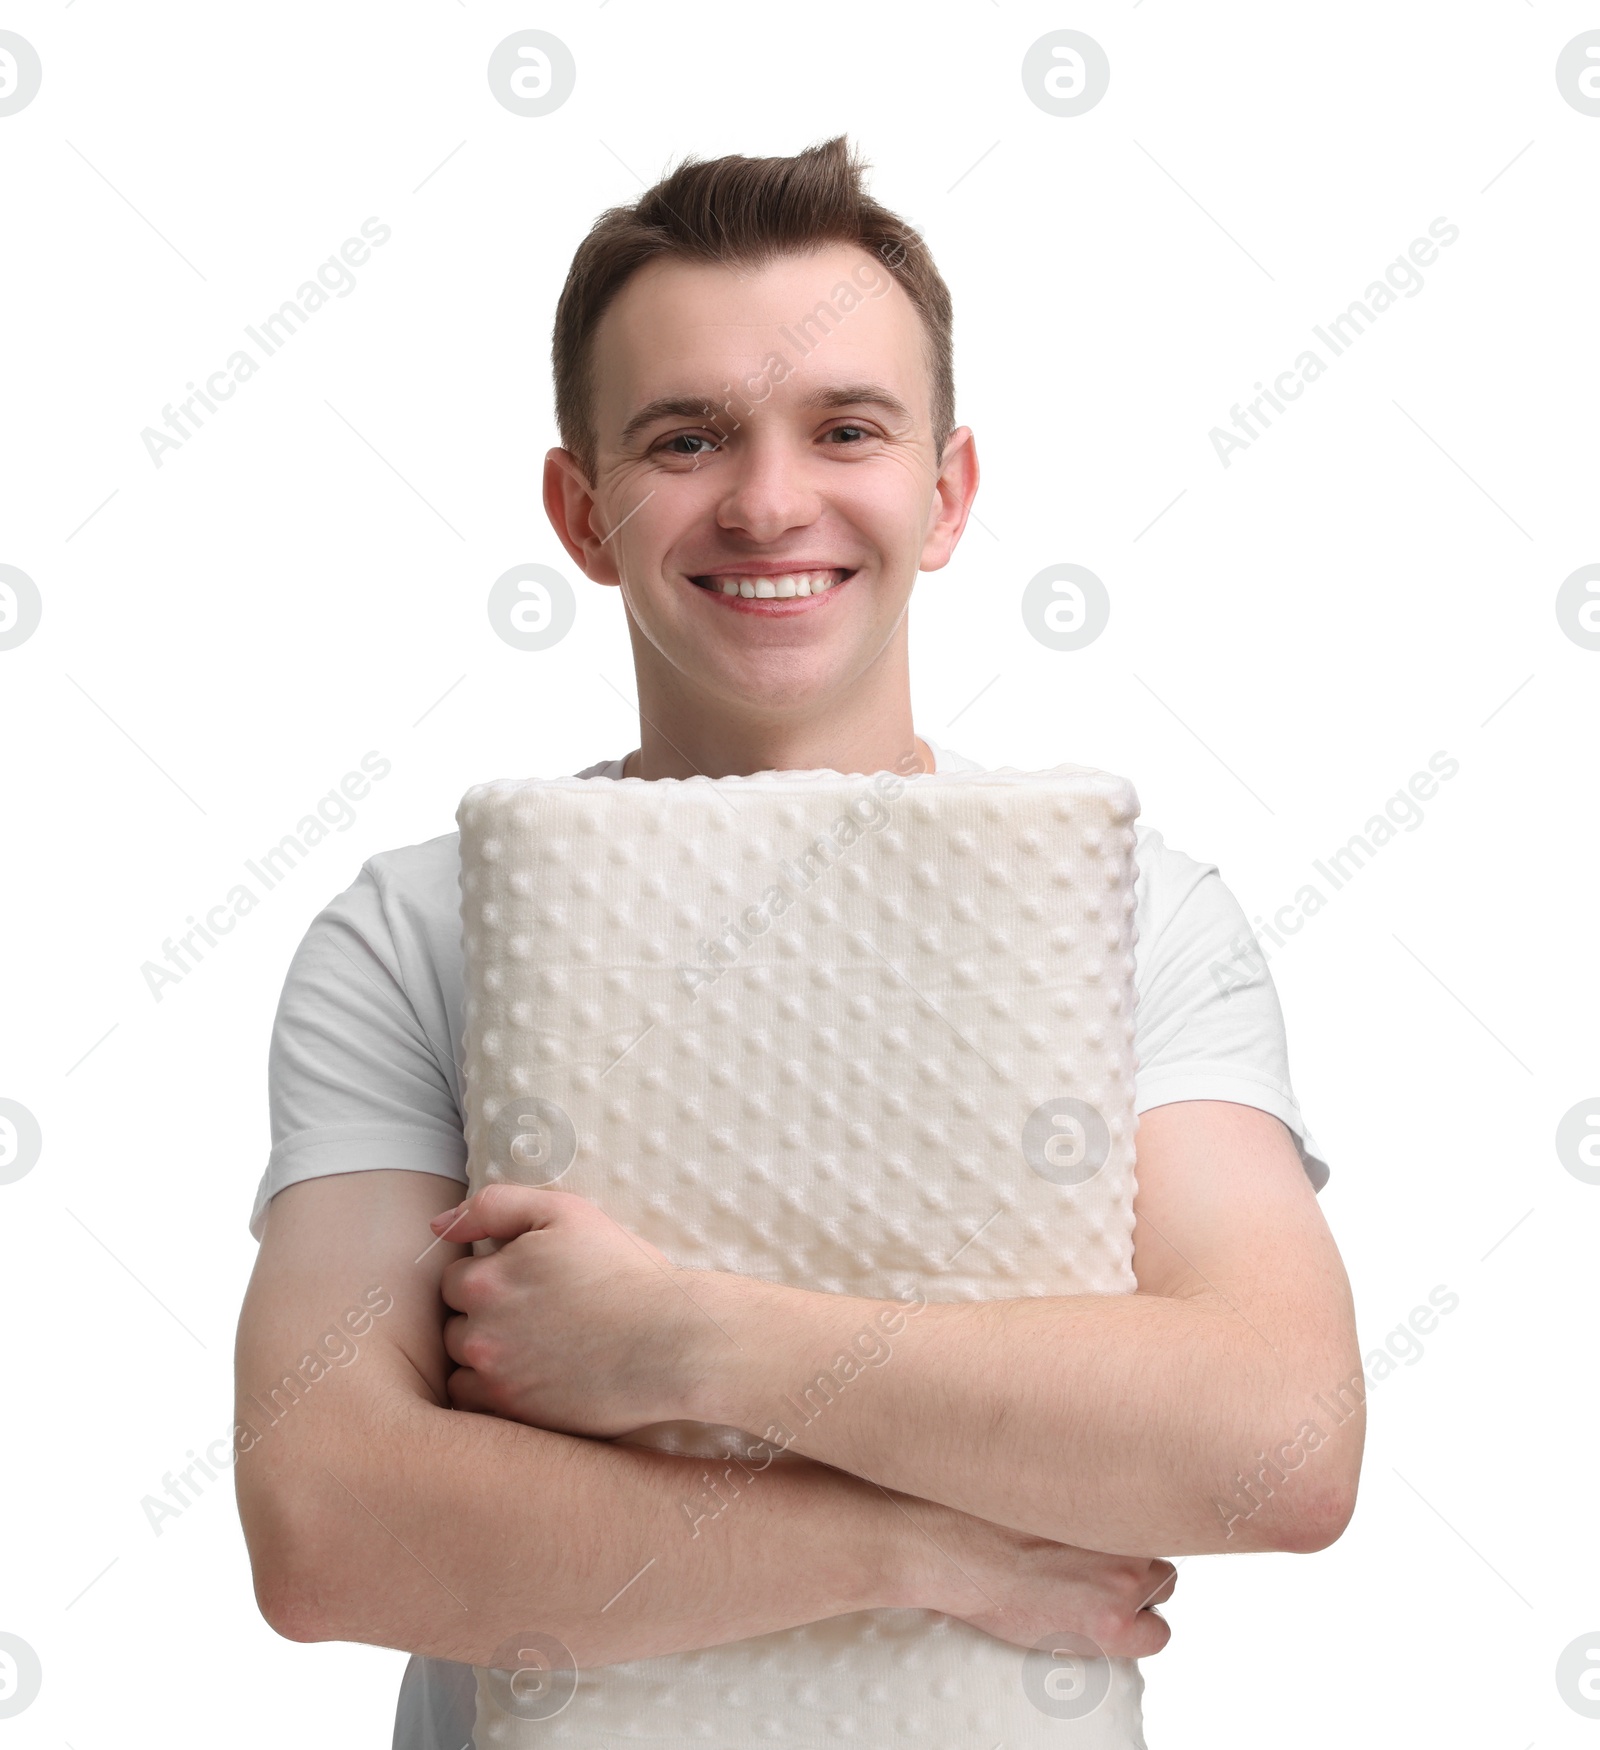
(667, 446)
(848, 434)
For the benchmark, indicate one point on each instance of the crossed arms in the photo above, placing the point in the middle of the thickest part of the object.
(1013, 1464)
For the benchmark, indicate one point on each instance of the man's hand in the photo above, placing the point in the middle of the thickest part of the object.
(577, 1326)
(573, 1324)
(1021, 1588)
(359, 1538)
(1126, 1422)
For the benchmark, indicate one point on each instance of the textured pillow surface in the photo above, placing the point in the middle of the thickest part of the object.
(865, 1034)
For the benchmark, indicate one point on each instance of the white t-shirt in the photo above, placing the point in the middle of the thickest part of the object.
(364, 1067)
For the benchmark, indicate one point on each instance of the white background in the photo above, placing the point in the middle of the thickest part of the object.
(1372, 581)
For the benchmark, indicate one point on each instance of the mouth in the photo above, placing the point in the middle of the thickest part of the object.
(786, 592)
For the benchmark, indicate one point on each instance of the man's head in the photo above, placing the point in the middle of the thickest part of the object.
(754, 389)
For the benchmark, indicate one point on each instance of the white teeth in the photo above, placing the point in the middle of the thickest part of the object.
(794, 583)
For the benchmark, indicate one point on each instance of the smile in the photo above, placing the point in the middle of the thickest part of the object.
(742, 588)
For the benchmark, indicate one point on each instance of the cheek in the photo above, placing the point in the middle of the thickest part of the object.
(891, 501)
(658, 520)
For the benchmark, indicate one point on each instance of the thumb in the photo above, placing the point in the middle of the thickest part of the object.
(498, 1212)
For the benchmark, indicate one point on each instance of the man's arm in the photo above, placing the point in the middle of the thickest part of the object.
(375, 1512)
(1121, 1422)
(1219, 1408)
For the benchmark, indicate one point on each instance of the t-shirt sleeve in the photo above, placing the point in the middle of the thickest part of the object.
(1208, 1024)
(353, 1080)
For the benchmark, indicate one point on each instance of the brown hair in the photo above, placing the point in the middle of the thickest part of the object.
(743, 212)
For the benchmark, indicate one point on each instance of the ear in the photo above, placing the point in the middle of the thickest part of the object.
(953, 492)
(569, 503)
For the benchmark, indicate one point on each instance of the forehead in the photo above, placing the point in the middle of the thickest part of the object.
(690, 327)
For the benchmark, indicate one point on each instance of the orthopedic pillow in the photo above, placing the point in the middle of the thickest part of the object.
(866, 1034)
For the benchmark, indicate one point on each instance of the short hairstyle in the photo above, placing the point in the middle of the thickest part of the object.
(743, 212)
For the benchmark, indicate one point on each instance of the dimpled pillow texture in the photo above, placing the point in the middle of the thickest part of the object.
(858, 1033)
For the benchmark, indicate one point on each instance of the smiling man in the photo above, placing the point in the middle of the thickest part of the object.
(755, 397)
(760, 455)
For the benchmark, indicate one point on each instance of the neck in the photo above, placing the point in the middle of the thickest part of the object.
(867, 730)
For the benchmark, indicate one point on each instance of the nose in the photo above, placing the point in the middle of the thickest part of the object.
(769, 491)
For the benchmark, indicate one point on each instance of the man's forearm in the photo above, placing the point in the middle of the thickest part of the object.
(1115, 1422)
(448, 1534)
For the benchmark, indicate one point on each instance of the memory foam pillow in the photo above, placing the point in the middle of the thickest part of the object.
(865, 1034)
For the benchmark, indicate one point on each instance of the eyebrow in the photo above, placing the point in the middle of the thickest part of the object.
(859, 395)
(702, 407)
(667, 407)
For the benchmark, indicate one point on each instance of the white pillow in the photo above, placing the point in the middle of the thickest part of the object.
(867, 1034)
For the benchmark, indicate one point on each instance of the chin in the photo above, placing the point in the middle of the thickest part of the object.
(781, 681)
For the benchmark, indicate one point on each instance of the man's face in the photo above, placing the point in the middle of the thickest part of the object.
(766, 484)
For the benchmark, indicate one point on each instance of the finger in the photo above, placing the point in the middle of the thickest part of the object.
(1135, 1637)
(455, 1336)
(1162, 1582)
(499, 1212)
(468, 1392)
(444, 1222)
(458, 1283)
(1149, 1633)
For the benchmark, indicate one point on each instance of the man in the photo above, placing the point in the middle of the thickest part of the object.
(755, 397)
